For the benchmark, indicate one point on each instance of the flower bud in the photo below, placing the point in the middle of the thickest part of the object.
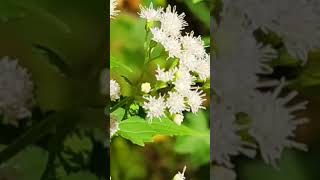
(178, 118)
(145, 87)
(180, 176)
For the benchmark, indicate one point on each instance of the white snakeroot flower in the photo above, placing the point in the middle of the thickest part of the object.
(173, 46)
(16, 91)
(226, 141)
(158, 35)
(165, 76)
(188, 61)
(203, 68)
(172, 23)
(150, 14)
(184, 81)
(180, 176)
(175, 103)
(114, 90)
(154, 107)
(274, 123)
(114, 126)
(195, 100)
(178, 118)
(145, 87)
(113, 6)
(193, 45)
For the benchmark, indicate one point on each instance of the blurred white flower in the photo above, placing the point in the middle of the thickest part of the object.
(150, 14)
(299, 31)
(16, 91)
(145, 87)
(238, 61)
(226, 141)
(274, 124)
(165, 76)
(195, 100)
(154, 107)
(178, 118)
(175, 103)
(172, 23)
(113, 10)
(180, 176)
(114, 90)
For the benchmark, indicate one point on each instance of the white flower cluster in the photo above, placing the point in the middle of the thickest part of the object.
(193, 66)
(114, 90)
(271, 118)
(300, 31)
(16, 91)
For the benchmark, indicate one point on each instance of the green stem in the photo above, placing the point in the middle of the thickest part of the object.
(119, 104)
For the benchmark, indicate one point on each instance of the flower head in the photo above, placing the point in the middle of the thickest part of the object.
(193, 45)
(165, 76)
(114, 90)
(274, 124)
(172, 46)
(175, 103)
(150, 14)
(184, 81)
(158, 35)
(203, 68)
(154, 107)
(16, 90)
(195, 100)
(172, 23)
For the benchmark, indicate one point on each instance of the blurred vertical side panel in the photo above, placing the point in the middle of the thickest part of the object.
(266, 89)
(53, 89)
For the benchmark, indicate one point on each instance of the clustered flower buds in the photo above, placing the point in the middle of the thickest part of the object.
(187, 76)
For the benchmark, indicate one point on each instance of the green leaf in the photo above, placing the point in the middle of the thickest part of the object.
(139, 131)
(114, 63)
(14, 9)
(197, 147)
(29, 164)
(118, 113)
(55, 59)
